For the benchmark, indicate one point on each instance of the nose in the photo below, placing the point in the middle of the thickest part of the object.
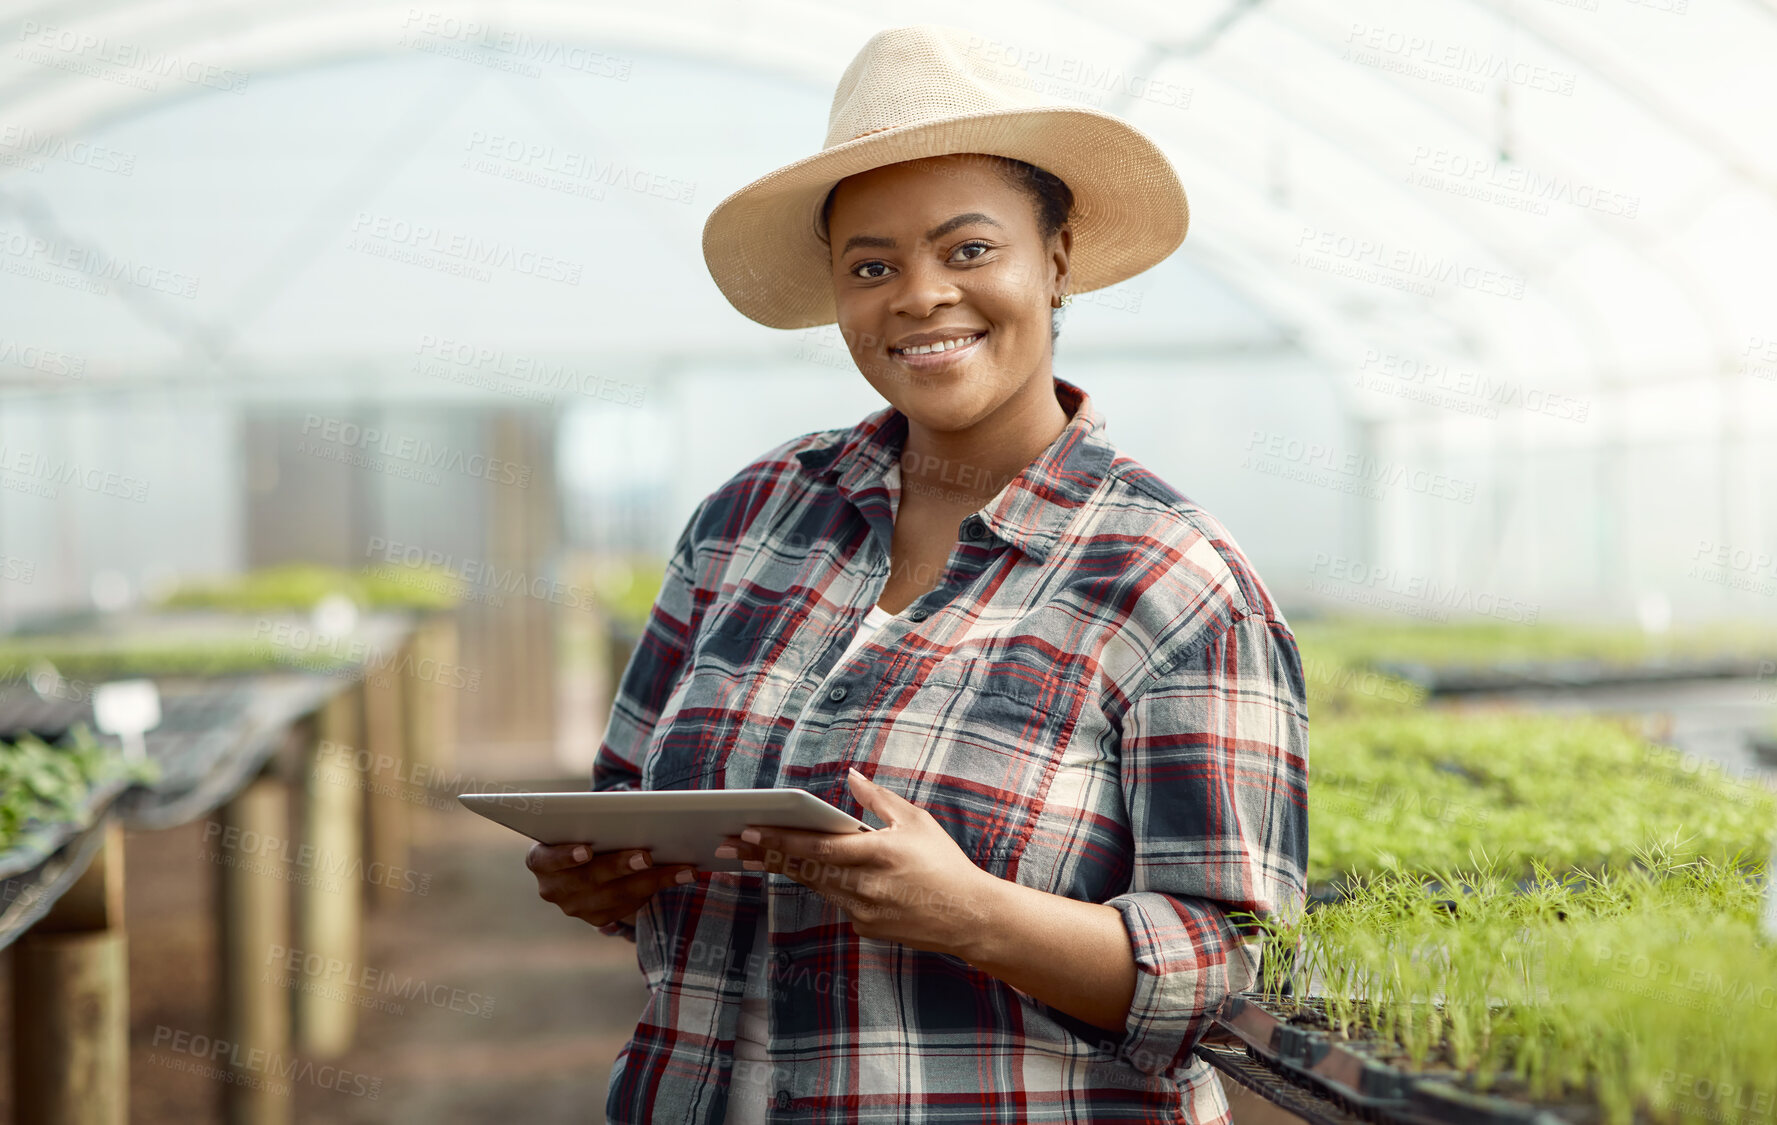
(924, 287)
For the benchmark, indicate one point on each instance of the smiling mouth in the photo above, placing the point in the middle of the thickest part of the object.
(935, 355)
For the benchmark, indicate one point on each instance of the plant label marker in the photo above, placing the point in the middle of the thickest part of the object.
(129, 709)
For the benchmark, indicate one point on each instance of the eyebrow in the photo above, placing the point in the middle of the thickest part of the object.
(935, 233)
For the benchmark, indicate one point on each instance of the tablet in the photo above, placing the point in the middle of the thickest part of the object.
(675, 825)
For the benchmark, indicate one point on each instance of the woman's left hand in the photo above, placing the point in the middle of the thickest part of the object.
(907, 881)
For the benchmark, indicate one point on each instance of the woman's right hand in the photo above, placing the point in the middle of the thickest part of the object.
(600, 887)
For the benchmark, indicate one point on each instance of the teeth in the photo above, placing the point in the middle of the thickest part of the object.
(947, 345)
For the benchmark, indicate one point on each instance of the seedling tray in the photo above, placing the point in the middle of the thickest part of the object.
(1764, 748)
(1359, 1075)
(1286, 1092)
(1467, 679)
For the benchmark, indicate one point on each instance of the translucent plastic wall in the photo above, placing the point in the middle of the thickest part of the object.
(1477, 299)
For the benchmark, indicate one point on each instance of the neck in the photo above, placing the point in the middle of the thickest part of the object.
(969, 467)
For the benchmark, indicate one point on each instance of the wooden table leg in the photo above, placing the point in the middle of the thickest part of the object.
(389, 784)
(71, 1003)
(434, 690)
(331, 921)
(253, 926)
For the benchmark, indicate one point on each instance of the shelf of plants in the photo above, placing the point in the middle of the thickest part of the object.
(70, 664)
(1501, 656)
(1640, 992)
(56, 790)
(260, 622)
(53, 796)
(236, 666)
(303, 586)
(1398, 786)
(49, 793)
(224, 694)
(1517, 917)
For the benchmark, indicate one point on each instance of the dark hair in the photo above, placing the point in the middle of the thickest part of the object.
(1053, 199)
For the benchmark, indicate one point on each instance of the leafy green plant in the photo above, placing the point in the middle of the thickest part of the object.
(303, 585)
(1573, 959)
(1643, 986)
(626, 588)
(45, 784)
(1368, 642)
(1417, 790)
(1337, 685)
(100, 657)
(1397, 785)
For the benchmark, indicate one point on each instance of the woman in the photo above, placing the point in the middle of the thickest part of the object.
(1052, 681)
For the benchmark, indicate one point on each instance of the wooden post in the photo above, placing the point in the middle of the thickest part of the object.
(331, 922)
(389, 787)
(432, 692)
(443, 641)
(253, 924)
(71, 1002)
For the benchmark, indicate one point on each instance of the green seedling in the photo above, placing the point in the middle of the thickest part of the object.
(1642, 986)
(45, 784)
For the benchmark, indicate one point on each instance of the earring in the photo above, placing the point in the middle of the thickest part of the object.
(1061, 304)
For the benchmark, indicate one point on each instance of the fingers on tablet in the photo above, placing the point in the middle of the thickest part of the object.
(544, 858)
(642, 875)
(668, 875)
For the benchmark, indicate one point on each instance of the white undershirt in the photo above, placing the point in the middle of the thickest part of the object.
(750, 1083)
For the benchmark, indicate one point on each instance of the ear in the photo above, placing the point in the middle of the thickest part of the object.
(1061, 254)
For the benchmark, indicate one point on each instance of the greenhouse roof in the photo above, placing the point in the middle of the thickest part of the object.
(1578, 194)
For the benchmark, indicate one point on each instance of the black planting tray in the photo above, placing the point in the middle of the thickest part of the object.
(1341, 1069)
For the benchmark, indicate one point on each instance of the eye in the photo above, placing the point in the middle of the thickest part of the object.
(856, 271)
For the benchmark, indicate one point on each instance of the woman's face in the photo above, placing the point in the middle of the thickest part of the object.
(939, 249)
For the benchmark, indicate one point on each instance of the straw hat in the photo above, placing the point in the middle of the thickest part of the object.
(931, 90)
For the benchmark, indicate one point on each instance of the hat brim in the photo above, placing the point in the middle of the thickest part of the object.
(1130, 211)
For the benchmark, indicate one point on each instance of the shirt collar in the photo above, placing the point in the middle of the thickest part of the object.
(1030, 512)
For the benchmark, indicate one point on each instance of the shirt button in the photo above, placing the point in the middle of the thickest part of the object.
(973, 528)
(920, 614)
(783, 960)
(783, 1099)
(836, 694)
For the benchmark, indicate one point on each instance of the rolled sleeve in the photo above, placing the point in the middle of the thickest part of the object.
(653, 668)
(1215, 775)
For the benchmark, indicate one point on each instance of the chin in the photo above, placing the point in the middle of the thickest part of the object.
(941, 401)
(942, 409)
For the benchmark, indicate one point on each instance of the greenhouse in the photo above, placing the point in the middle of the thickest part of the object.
(1223, 555)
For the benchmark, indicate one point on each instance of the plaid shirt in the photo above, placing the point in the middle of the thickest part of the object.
(1099, 700)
